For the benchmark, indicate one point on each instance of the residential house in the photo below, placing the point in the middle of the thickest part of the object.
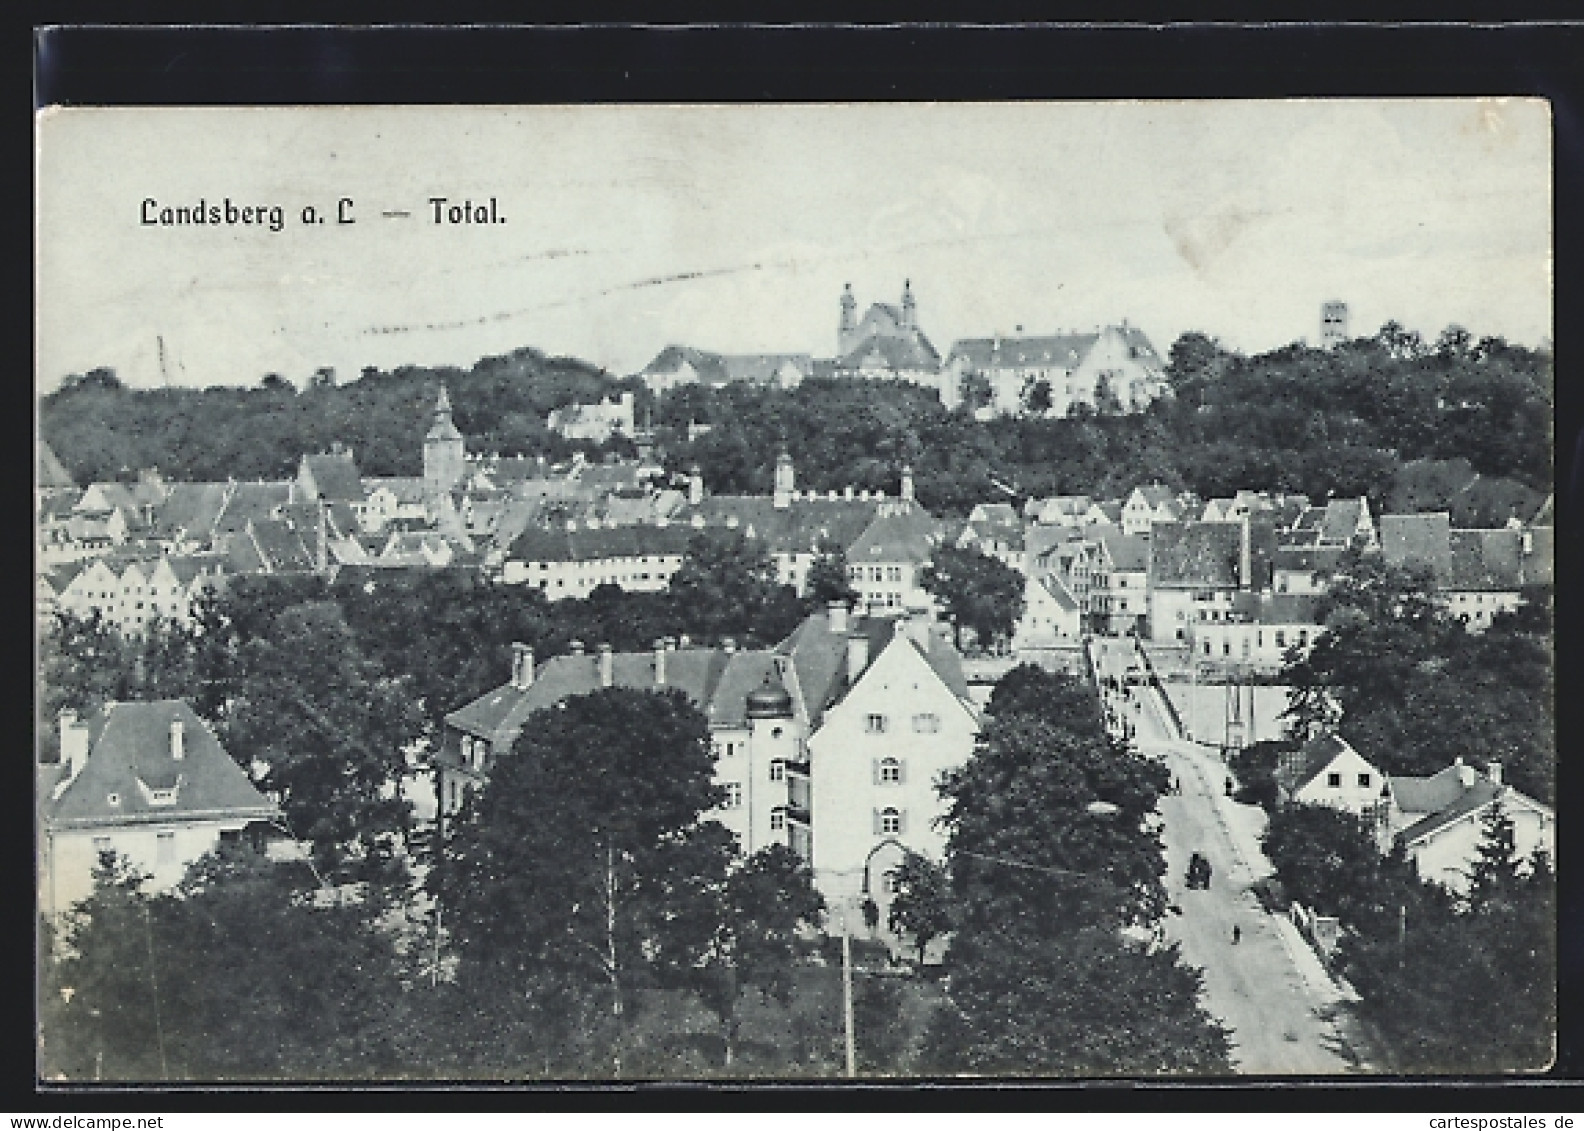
(1076, 511)
(595, 423)
(1326, 770)
(829, 743)
(576, 558)
(1439, 820)
(752, 733)
(675, 366)
(1119, 582)
(148, 781)
(1052, 616)
(994, 529)
(887, 711)
(1340, 524)
(331, 477)
(886, 564)
(1487, 575)
(1196, 570)
(1147, 506)
(1256, 632)
(1305, 571)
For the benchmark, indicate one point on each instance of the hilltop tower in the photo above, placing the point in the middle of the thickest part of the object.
(849, 322)
(445, 452)
(1333, 324)
(909, 307)
(784, 481)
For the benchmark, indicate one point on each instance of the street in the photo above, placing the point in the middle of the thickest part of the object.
(1267, 987)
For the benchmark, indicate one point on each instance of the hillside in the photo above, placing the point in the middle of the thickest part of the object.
(1377, 416)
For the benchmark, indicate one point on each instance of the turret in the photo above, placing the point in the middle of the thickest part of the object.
(909, 308)
(849, 321)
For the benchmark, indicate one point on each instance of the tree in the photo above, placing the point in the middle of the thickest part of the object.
(1086, 1003)
(976, 391)
(574, 858)
(1106, 401)
(238, 978)
(323, 378)
(727, 586)
(1037, 398)
(330, 732)
(978, 592)
(922, 904)
(1495, 871)
(827, 577)
(745, 924)
(1325, 858)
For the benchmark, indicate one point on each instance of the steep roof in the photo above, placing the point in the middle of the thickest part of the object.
(130, 743)
(710, 367)
(1188, 555)
(52, 474)
(1066, 351)
(549, 544)
(1419, 540)
(1467, 802)
(818, 659)
(250, 501)
(764, 368)
(335, 477)
(1315, 558)
(1058, 591)
(900, 532)
(1277, 608)
(796, 528)
(190, 510)
(1296, 770)
(1341, 520)
(1129, 553)
(1486, 560)
(909, 350)
(406, 489)
(697, 672)
(1423, 795)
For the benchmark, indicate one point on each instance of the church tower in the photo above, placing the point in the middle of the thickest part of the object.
(849, 323)
(444, 454)
(909, 308)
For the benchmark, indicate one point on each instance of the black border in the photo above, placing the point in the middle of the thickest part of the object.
(561, 60)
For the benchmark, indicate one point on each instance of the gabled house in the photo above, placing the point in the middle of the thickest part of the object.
(1487, 575)
(886, 564)
(1439, 820)
(1147, 506)
(1197, 568)
(994, 529)
(1326, 770)
(595, 423)
(332, 477)
(1340, 524)
(887, 711)
(1119, 583)
(1052, 616)
(1304, 571)
(151, 783)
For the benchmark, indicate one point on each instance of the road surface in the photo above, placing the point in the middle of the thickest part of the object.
(1268, 988)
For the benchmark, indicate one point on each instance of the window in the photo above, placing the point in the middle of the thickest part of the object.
(1364, 781)
(875, 724)
(889, 881)
(1334, 781)
(101, 845)
(165, 848)
(888, 771)
(777, 820)
(733, 795)
(1281, 639)
(777, 769)
(890, 822)
(926, 724)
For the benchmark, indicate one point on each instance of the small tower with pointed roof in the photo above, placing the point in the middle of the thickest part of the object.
(849, 322)
(445, 452)
(909, 307)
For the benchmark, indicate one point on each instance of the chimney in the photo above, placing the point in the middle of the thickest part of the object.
(522, 666)
(728, 645)
(836, 612)
(684, 641)
(920, 628)
(73, 743)
(907, 484)
(177, 741)
(1493, 771)
(605, 665)
(695, 486)
(857, 656)
(575, 647)
(659, 661)
(1245, 556)
(1465, 773)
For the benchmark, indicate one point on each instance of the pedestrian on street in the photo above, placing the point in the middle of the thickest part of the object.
(1237, 933)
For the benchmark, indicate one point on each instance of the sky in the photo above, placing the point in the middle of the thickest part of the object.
(735, 228)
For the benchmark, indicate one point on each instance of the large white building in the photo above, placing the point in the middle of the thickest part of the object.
(829, 743)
